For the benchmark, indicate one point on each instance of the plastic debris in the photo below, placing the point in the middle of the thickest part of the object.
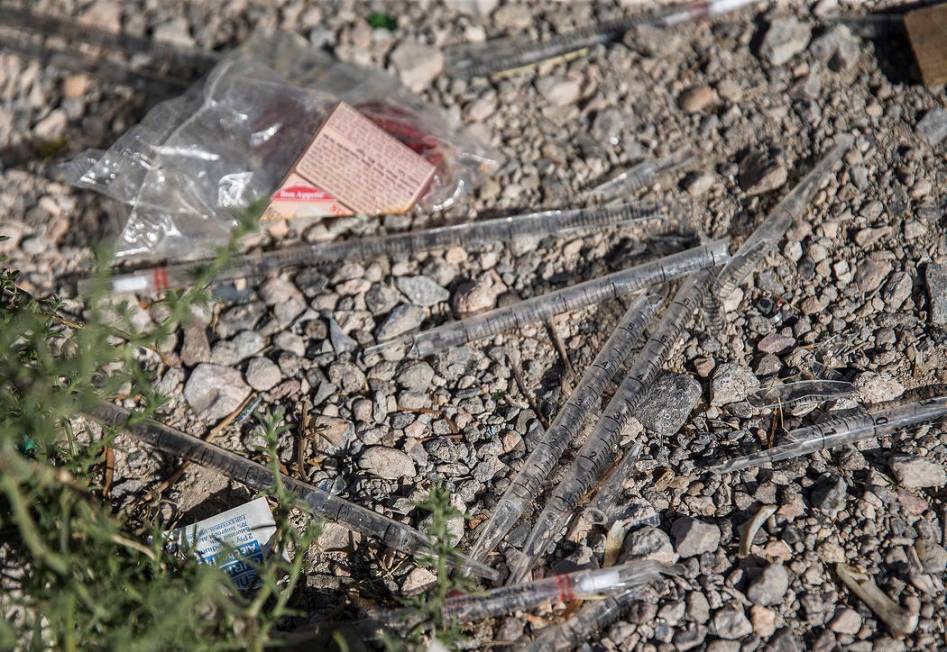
(604, 508)
(276, 105)
(640, 175)
(902, 621)
(593, 617)
(773, 227)
(574, 297)
(500, 55)
(842, 430)
(237, 541)
(381, 20)
(599, 452)
(580, 585)
(256, 476)
(565, 428)
(803, 391)
(502, 229)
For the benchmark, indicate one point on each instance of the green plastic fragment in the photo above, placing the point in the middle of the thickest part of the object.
(27, 445)
(381, 20)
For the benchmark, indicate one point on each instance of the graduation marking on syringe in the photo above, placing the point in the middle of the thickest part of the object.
(599, 450)
(568, 299)
(841, 430)
(500, 55)
(773, 227)
(321, 503)
(501, 229)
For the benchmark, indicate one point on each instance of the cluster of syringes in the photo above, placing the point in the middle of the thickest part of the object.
(706, 273)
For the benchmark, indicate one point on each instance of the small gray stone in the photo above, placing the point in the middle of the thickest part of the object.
(697, 98)
(871, 274)
(767, 365)
(332, 434)
(784, 641)
(693, 537)
(196, 348)
(897, 290)
(263, 374)
(916, 472)
(401, 320)
(785, 38)
(932, 556)
(731, 383)
(769, 586)
(668, 403)
(381, 298)
(837, 47)
(649, 543)
(830, 494)
(416, 376)
(213, 391)
(775, 343)
(731, 623)
(558, 91)
(417, 64)
(176, 32)
(421, 290)
(476, 296)
(936, 276)
(340, 341)
(697, 184)
(241, 347)
(388, 463)
(933, 126)
(846, 621)
(759, 173)
(875, 387)
(652, 41)
(290, 342)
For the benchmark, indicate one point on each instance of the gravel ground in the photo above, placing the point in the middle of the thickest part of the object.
(857, 286)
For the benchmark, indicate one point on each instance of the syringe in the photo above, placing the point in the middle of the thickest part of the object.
(599, 450)
(774, 226)
(591, 618)
(500, 55)
(566, 427)
(803, 391)
(567, 587)
(640, 175)
(501, 229)
(606, 506)
(256, 476)
(842, 430)
(574, 297)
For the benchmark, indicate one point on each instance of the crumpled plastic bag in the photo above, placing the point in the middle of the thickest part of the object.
(195, 161)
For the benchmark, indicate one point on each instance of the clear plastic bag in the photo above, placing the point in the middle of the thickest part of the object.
(229, 141)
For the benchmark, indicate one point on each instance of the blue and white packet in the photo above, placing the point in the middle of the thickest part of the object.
(238, 540)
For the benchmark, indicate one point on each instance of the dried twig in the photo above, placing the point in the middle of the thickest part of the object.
(900, 620)
(109, 471)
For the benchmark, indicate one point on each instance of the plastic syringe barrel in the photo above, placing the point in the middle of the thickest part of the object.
(256, 476)
(566, 587)
(565, 428)
(842, 430)
(778, 221)
(591, 618)
(574, 297)
(599, 450)
(501, 229)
